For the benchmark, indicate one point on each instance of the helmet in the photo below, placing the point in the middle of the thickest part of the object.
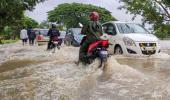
(53, 26)
(94, 16)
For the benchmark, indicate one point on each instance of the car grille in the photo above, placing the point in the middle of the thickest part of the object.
(143, 47)
(149, 52)
(147, 44)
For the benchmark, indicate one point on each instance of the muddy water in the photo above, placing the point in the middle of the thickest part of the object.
(31, 73)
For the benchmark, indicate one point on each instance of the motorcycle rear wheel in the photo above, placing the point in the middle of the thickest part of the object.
(103, 64)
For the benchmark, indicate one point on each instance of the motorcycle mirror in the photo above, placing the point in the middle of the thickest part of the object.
(81, 25)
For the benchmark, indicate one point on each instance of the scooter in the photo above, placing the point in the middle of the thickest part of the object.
(56, 42)
(97, 49)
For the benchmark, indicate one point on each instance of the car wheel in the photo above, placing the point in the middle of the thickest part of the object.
(118, 50)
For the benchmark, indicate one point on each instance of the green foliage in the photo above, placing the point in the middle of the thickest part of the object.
(27, 22)
(153, 12)
(167, 2)
(60, 27)
(7, 30)
(12, 11)
(8, 41)
(163, 31)
(72, 14)
(44, 24)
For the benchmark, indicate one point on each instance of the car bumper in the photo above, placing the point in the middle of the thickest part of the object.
(143, 48)
(42, 42)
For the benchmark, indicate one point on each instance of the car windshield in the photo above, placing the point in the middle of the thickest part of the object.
(62, 34)
(76, 31)
(126, 28)
(44, 32)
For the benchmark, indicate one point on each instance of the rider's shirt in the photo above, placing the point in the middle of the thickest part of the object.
(93, 29)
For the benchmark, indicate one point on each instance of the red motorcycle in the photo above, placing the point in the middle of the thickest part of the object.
(97, 49)
(56, 42)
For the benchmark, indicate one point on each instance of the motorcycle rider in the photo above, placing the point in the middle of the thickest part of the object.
(93, 31)
(53, 33)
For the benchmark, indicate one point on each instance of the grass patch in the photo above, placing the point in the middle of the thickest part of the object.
(8, 41)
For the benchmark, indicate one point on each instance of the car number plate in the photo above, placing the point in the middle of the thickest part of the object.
(103, 52)
(149, 48)
(55, 42)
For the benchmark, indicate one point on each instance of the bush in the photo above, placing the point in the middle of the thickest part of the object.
(7, 31)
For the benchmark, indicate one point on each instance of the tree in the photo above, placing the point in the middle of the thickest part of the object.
(44, 24)
(154, 12)
(27, 22)
(74, 13)
(12, 11)
(7, 31)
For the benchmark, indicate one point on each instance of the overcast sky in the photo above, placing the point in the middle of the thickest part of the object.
(40, 11)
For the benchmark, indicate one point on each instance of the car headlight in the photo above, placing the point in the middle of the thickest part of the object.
(128, 41)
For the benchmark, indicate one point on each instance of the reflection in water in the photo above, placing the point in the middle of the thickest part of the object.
(34, 74)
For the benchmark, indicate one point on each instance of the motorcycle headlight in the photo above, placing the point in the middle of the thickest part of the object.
(129, 42)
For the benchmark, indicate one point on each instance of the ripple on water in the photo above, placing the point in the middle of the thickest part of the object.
(9, 65)
(13, 64)
(61, 79)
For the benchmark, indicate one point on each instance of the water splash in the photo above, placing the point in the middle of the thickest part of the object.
(57, 77)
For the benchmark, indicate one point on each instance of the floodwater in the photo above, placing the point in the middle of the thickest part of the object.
(31, 73)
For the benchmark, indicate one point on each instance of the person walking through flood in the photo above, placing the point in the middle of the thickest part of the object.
(24, 36)
(31, 36)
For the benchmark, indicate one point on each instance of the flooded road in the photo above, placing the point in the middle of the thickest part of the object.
(31, 73)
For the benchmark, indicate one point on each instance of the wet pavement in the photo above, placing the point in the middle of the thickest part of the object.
(31, 73)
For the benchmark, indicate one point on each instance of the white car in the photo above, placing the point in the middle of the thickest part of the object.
(130, 38)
